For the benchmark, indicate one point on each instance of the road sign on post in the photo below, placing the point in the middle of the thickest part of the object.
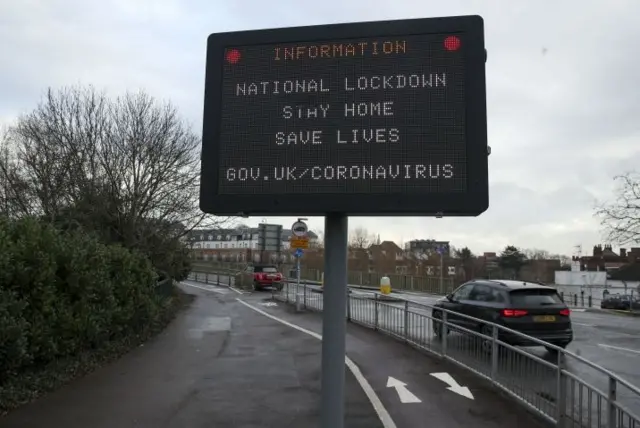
(375, 118)
(398, 110)
(299, 243)
(299, 228)
(269, 239)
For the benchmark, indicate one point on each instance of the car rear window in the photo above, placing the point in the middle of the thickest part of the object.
(265, 269)
(534, 297)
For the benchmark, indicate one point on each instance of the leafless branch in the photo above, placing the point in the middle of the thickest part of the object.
(127, 167)
(360, 238)
(620, 218)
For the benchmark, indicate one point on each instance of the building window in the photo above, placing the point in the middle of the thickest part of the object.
(219, 237)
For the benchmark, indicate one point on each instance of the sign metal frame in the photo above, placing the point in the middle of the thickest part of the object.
(473, 202)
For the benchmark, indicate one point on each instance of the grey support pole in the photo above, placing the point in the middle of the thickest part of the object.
(334, 312)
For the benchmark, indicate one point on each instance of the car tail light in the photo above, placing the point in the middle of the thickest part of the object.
(565, 312)
(511, 313)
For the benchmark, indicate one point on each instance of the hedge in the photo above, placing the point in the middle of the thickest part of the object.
(64, 293)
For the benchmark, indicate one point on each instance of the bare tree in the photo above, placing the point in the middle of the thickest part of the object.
(127, 168)
(318, 244)
(360, 238)
(620, 218)
(536, 254)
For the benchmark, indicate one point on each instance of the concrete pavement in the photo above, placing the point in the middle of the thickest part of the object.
(380, 357)
(611, 341)
(607, 340)
(219, 364)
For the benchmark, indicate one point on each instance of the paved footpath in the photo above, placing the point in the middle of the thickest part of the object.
(379, 357)
(219, 364)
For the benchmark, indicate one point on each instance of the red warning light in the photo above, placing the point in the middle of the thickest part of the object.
(452, 43)
(233, 56)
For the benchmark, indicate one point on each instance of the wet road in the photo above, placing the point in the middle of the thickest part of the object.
(380, 357)
(609, 340)
(219, 364)
(605, 339)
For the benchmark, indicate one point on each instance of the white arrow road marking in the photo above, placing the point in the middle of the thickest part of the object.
(269, 304)
(453, 385)
(405, 395)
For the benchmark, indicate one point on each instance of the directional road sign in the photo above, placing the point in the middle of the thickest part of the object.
(302, 243)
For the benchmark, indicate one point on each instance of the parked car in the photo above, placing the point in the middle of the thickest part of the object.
(261, 277)
(622, 302)
(530, 308)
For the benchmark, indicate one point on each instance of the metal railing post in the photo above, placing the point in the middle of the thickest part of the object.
(561, 392)
(304, 295)
(494, 352)
(348, 305)
(443, 332)
(406, 321)
(375, 307)
(612, 396)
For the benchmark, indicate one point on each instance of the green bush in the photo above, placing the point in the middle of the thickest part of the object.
(64, 292)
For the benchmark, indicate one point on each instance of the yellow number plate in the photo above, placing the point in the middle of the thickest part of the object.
(545, 318)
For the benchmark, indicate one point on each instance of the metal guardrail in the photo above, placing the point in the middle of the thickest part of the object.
(225, 277)
(580, 300)
(562, 387)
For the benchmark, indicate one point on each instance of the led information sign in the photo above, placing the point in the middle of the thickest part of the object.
(364, 119)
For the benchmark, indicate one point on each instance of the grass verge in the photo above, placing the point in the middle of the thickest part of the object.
(28, 385)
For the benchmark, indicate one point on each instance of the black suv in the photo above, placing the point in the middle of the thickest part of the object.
(530, 308)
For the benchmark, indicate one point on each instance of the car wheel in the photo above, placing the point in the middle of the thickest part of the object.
(256, 287)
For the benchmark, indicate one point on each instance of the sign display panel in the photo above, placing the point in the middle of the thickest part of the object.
(367, 118)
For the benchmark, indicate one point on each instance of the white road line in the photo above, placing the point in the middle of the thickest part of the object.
(204, 288)
(633, 351)
(236, 290)
(225, 286)
(584, 325)
(379, 408)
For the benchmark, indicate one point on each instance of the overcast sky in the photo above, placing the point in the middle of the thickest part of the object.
(562, 87)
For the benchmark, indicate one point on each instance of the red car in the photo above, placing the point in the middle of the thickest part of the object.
(263, 276)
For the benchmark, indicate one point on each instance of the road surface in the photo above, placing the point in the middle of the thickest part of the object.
(383, 361)
(607, 339)
(219, 364)
(612, 341)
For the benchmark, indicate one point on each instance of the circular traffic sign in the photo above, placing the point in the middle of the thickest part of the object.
(299, 228)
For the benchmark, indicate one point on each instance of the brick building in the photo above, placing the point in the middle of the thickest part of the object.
(605, 259)
(238, 244)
